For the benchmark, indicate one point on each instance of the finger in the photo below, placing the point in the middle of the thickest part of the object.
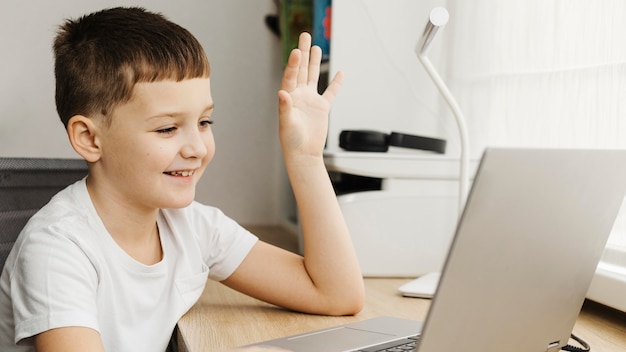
(284, 103)
(314, 65)
(290, 75)
(333, 87)
(304, 44)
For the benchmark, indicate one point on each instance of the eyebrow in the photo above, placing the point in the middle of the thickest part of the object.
(209, 107)
(163, 115)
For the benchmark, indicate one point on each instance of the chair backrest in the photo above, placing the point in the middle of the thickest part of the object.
(26, 185)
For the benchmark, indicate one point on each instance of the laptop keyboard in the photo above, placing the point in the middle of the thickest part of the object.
(403, 345)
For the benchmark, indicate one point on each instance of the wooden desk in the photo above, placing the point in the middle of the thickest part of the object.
(224, 318)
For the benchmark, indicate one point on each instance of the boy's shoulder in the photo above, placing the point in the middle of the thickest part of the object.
(58, 227)
(70, 204)
(65, 215)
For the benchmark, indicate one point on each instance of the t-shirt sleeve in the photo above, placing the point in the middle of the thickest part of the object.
(224, 243)
(53, 284)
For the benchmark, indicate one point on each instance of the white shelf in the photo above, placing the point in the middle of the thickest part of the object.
(425, 165)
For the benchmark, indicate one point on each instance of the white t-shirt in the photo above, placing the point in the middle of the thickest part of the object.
(66, 270)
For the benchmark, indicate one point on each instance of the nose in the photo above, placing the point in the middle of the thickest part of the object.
(197, 144)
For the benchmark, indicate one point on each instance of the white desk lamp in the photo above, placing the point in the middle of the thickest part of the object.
(425, 285)
(438, 18)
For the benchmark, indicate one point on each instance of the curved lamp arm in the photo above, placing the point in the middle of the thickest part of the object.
(438, 18)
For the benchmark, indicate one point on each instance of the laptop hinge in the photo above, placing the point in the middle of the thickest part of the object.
(553, 346)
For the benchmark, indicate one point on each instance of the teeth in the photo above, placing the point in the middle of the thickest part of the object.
(181, 173)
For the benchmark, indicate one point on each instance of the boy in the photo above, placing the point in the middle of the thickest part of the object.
(113, 261)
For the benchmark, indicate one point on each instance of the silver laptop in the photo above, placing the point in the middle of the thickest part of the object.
(524, 253)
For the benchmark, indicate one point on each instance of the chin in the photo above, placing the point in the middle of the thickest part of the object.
(178, 201)
(182, 203)
(177, 205)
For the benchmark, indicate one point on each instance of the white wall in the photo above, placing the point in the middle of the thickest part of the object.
(385, 72)
(245, 177)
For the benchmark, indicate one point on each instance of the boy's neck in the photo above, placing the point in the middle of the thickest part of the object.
(134, 230)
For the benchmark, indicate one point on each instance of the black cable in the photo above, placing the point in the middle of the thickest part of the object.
(585, 346)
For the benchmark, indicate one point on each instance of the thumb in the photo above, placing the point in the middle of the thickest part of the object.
(284, 103)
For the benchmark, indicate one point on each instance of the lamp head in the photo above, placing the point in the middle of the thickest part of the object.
(438, 17)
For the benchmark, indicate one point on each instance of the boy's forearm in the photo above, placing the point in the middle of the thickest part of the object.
(329, 255)
(329, 258)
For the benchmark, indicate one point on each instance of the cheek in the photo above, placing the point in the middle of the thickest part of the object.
(155, 158)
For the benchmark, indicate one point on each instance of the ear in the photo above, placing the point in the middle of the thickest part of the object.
(82, 132)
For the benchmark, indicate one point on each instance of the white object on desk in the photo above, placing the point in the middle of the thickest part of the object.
(422, 287)
(404, 229)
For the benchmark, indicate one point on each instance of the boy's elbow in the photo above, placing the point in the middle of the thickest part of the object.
(356, 306)
(351, 303)
(352, 308)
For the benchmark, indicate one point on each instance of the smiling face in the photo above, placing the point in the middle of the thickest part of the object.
(156, 147)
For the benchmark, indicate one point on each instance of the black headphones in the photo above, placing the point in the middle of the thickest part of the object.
(374, 141)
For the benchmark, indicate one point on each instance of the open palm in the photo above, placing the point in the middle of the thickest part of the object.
(303, 112)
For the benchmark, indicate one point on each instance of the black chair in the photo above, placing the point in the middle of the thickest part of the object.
(26, 185)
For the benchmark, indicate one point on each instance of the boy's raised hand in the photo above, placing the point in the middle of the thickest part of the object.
(303, 113)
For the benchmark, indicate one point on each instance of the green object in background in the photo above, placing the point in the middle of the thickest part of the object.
(296, 16)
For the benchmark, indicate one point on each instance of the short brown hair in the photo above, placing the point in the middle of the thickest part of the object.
(101, 56)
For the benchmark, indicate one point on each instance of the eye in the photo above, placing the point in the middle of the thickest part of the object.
(205, 123)
(168, 130)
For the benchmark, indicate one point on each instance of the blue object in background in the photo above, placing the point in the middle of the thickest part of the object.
(321, 26)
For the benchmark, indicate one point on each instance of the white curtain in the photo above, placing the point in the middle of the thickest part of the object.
(541, 73)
